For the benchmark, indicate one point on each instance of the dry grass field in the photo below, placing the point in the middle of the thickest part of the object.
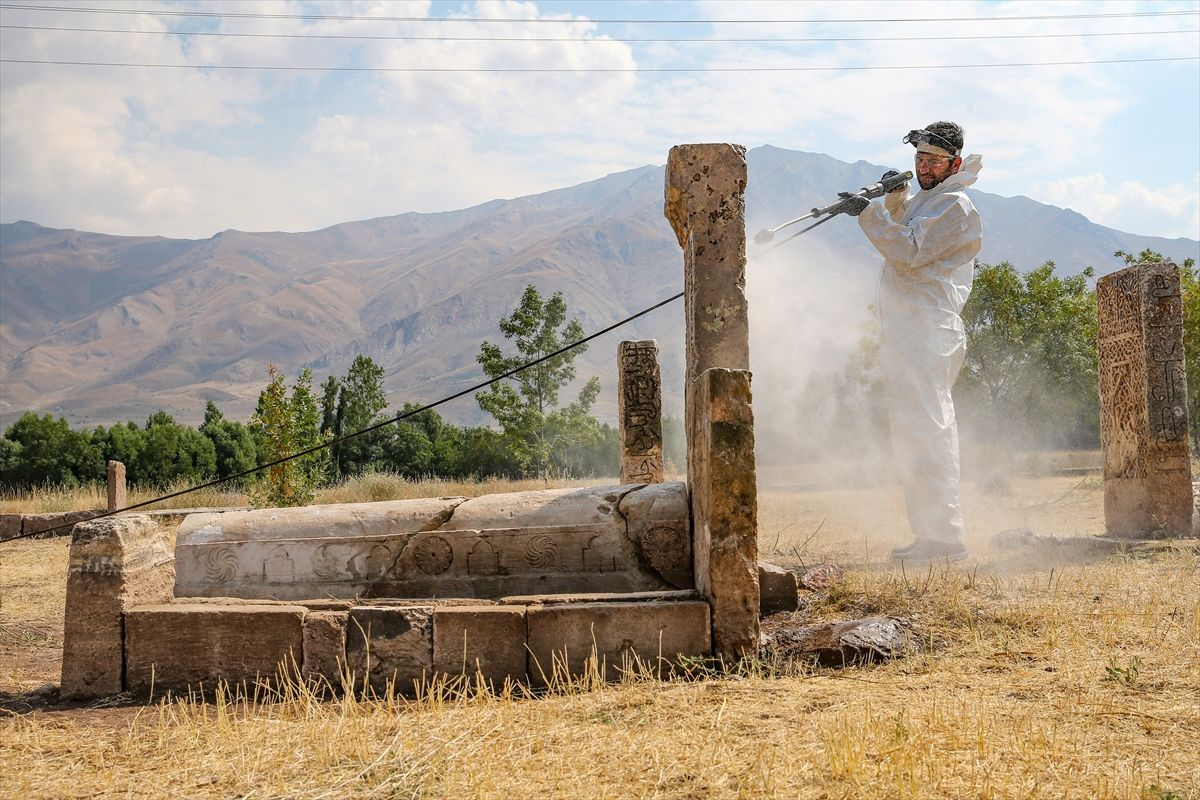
(1059, 671)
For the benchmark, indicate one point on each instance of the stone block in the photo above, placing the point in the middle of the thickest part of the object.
(10, 526)
(390, 647)
(117, 497)
(115, 563)
(593, 539)
(563, 638)
(484, 641)
(777, 589)
(59, 523)
(1143, 403)
(705, 204)
(177, 647)
(725, 510)
(639, 412)
(324, 648)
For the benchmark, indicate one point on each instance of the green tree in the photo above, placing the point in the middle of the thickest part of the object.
(46, 452)
(124, 443)
(526, 404)
(174, 452)
(284, 426)
(361, 400)
(233, 442)
(1029, 378)
(1189, 282)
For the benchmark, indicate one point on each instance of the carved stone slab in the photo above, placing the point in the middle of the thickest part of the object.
(1143, 403)
(597, 539)
(639, 412)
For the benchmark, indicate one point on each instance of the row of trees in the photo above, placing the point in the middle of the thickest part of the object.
(535, 435)
(1029, 382)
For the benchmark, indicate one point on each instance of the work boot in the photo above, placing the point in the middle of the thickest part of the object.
(928, 550)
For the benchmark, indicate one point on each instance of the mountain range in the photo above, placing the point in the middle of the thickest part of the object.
(107, 328)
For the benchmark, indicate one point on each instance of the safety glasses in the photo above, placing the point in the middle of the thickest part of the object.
(929, 159)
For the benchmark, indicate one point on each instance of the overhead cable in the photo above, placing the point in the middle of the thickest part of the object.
(578, 20)
(580, 70)
(603, 39)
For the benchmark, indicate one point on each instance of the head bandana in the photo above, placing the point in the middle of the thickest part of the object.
(925, 147)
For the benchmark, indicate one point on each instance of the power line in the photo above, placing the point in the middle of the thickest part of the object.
(568, 70)
(606, 39)
(486, 20)
(375, 427)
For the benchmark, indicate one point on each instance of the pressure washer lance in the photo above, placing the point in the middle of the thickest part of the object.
(833, 209)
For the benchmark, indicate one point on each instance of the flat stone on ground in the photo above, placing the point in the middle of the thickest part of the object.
(777, 589)
(564, 638)
(181, 646)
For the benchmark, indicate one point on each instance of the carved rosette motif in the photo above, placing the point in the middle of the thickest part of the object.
(324, 564)
(663, 547)
(541, 551)
(433, 555)
(221, 564)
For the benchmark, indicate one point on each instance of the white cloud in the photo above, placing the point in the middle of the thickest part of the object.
(185, 152)
(1172, 210)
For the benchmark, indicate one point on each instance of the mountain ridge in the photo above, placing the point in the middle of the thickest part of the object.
(110, 328)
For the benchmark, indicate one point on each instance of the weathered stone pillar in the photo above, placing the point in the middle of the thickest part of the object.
(1143, 403)
(639, 412)
(705, 204)
(116, 486)
(115, 563)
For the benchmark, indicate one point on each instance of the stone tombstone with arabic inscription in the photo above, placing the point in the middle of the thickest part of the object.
(639, 397)
(1143, 403)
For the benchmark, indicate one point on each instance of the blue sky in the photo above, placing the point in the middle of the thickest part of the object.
(187, 152)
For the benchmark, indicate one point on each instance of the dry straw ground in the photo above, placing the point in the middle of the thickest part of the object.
(1056, 671)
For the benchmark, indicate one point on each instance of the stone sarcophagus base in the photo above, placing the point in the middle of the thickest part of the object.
(629, 538)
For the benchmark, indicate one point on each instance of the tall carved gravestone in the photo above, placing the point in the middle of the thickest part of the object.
(705, 204)
(639, 412)
(1143, 403)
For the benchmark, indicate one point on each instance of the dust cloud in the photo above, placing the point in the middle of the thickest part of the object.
(811, 331)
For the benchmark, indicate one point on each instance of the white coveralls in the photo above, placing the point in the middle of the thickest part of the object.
(929, 243)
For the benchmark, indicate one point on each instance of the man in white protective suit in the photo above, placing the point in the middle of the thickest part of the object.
(928, 242)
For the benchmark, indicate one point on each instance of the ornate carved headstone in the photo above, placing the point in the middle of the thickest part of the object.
(705, 204)
(1143, 403)
(639, 401)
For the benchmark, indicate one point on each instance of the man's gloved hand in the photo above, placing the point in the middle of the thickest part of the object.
(853, 204)
(891, 173)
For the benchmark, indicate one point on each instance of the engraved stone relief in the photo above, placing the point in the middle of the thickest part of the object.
(541, 551)
(483, 560)
(433, 555)
(278, 567)
(639, 398)
(221, 564)
(1143, 402)
(663, 547)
